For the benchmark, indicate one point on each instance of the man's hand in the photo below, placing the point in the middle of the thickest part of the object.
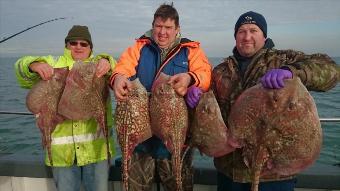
(180, 83)
(273, 79)
(103, 66)
(121, 87)
(43, 69)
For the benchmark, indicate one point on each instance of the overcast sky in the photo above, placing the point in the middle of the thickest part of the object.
(307, 25)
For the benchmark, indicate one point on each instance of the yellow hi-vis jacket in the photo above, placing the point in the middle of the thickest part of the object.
(71, 140)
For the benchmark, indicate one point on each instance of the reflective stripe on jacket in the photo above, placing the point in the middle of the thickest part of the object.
(71, 140)
(142, 60)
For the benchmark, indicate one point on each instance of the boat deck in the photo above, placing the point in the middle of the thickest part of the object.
(27, 173)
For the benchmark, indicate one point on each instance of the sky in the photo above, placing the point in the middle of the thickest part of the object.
(311, 26)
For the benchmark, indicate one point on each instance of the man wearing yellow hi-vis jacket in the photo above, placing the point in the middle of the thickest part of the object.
(78, 155)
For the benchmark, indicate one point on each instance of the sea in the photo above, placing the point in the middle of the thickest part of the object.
(19, 134)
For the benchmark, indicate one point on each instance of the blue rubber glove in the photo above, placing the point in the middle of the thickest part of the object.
(193, 96)
(273, 79)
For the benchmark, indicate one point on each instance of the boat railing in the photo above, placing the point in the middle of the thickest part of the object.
(328, 119)
(16, 113)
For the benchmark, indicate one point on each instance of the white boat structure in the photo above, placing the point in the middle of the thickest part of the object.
(29, 173)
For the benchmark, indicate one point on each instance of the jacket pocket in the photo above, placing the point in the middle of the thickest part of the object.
(180, 67)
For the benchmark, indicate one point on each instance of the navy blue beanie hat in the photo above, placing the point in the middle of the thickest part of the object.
(252, 18)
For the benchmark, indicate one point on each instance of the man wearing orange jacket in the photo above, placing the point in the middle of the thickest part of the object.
(162, 49)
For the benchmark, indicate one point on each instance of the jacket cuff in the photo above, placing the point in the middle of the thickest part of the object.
(296, 71)
(194, 79)
(112, 79)
(32, 74)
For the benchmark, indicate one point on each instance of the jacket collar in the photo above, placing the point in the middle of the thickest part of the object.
(68, 56)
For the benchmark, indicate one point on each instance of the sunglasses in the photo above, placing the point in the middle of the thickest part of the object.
(82, 44)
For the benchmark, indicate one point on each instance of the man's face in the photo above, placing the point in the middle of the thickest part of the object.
(249, 40)
(80, 49)
(164, 32)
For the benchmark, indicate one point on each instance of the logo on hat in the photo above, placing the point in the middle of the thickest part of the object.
(248, 18)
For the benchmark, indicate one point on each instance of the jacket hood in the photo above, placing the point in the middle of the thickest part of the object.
(67, 58)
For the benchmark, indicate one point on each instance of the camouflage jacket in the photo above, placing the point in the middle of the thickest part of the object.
(318, 72)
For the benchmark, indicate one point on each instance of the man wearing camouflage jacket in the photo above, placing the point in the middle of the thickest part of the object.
(255, 60)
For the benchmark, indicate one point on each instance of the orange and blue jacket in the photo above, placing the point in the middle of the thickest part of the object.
(143, 61)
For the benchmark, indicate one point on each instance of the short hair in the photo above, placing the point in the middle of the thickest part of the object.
(166, 12)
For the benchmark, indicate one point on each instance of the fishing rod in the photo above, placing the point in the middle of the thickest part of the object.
(29, 28)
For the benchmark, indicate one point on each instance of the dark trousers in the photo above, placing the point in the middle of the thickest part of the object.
(144, 169)
(224, 183)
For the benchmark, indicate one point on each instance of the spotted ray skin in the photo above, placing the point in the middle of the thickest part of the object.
(42, 100)
(208, 130)
(85, 97)
(132, 123)
(279, 129)
(169, 121)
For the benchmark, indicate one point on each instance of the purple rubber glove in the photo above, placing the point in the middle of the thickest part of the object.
(193, 96)
(273, 79)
